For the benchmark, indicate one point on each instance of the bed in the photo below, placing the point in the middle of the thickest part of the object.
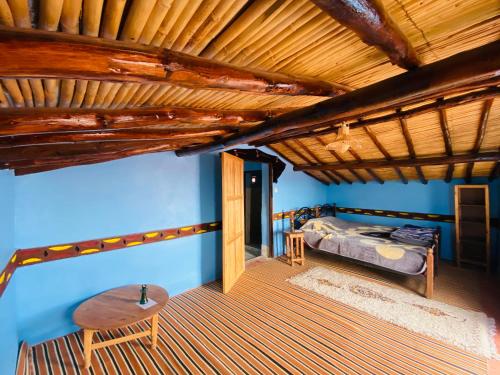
(367, 243)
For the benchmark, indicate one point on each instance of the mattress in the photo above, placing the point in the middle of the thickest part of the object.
(345, 238)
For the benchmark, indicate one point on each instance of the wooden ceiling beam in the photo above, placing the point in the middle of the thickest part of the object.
(481, 131)
(383, 163)
(333, 175)
(430, 81)
(106, 136)
(398, 114)
(386, 154)
(280, 154)
(411, 149)
(8, 157)
(445, 131)
(340, 160)
(48, 120)
(375, 176)
(310, 159)
(41, 54)
(371, 22)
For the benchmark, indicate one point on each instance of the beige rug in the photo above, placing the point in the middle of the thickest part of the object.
(470, 330)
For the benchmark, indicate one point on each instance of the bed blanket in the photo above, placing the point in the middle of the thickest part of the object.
(345, 238)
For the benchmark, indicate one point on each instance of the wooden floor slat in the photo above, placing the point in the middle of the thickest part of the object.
(266, 325)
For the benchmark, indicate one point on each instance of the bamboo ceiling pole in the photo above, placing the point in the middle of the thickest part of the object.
(22, 19)
(187, 12)
(167, 24)
(6, 17)
(91, 22)
(112, 18)
(14, 92)
(4, 103)
(203, 12)
(50, 14)
(70, 16)
(263, 38)
(26, 91)
(261, 26)
(70, 23)
(220, 17)
(21, 13)
(136, 20)
(244, 20)
(156, 17)
(109, 30)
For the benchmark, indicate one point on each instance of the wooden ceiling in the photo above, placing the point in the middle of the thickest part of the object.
(69, 100)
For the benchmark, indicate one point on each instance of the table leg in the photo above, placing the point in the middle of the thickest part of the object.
(87, 346)
(154, 331)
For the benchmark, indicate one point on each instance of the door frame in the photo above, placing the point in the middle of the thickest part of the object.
(270, 228)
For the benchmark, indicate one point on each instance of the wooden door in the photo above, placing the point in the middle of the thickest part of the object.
(233, 221)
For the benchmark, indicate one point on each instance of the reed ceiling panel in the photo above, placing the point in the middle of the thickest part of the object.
(286, 36)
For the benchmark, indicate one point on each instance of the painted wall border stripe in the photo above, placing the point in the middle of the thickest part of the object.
(37, 255)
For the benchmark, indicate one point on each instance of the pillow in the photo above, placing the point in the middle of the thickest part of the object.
(413, 235)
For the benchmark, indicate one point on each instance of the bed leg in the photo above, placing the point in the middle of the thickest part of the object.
(429, 274)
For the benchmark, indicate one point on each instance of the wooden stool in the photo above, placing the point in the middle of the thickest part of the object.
(117, 308)
(295, 247)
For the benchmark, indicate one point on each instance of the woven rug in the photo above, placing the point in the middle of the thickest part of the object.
(470, 330)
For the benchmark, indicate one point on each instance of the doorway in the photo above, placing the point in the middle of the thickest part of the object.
(256, 209)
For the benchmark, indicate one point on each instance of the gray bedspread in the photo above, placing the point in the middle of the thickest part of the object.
(344, 238)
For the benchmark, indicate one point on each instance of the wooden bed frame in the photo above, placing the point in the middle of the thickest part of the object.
(299, 217)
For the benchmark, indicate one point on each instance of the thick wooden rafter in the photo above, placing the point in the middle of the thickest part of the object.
(445, 130)
(55, 154)
(139, 135)
(481, 131)
(386, 154)
(372, 173)
(309, 158)
(30, 53)
(340, 160)
(454, 101)
(469, 69)
(411, 148)
(334, 175)
(48, 120)
(371, 22)
(325, 182)
(432, 160)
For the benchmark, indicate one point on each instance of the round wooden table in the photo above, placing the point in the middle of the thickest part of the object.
(118, 308)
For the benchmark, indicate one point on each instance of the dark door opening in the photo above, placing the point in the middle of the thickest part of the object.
(253, 214)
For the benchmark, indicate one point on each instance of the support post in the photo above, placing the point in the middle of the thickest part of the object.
(429, 275)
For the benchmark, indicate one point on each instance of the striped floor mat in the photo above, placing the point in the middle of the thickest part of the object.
(264, 326)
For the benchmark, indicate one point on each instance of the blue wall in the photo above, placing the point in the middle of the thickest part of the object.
(131, 195)
(436, 197)
(8, 326)
(294, 190)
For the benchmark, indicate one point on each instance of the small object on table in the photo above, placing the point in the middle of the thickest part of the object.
(144, 294)
(295, 247)
(118, 308)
